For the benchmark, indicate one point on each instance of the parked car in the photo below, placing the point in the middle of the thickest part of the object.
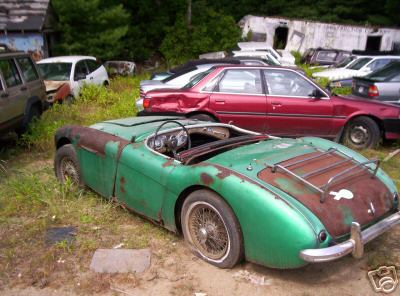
(382, 84)
(321, 56)
(278, 101)
(361, 67)
(189, 66)
(235, 194)
(284, 57)
(182, 76)
(122, 68)
(22, 92)
(244, 60)
(64, 76)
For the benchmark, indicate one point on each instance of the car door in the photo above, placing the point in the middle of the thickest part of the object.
(79, 77)
(296, 106)
(95, 74)
(239, 98)
(31, 77)
(141, 180)
(14, 95)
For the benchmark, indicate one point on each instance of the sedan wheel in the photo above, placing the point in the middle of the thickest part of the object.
(211, 229)
(67, 166)
(362, 132)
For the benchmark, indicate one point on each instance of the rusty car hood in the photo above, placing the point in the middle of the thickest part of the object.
(52, 85)
(370, 198)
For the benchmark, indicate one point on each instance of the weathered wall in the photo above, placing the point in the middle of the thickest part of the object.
(32, 43)
(306, 34)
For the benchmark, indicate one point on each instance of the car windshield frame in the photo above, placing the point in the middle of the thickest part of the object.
(63, 75)
(346, 62)
(359, 63)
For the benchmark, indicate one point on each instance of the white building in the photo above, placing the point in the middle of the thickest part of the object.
(299, 35)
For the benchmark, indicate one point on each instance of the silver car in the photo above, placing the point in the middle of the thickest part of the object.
(382, 84)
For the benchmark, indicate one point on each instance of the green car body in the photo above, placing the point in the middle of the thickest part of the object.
(115, 160)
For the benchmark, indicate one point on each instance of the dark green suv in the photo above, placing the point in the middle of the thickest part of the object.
(22, 92)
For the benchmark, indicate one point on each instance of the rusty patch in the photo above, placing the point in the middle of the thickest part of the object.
(206, 179)
(168, 163)
(90, 139)
(122, 183)
(335, 214)
(63, 92)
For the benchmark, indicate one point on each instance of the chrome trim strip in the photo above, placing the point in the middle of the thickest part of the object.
(242, 113)
(354, 245)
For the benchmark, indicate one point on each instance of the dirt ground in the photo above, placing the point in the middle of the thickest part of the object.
(176, 271)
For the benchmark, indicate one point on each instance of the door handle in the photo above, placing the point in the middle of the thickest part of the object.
(220, 101)
(23, 88)
(277, 104)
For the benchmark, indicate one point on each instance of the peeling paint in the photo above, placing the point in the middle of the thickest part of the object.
(206, 179)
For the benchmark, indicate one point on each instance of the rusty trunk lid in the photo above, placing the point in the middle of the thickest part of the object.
(357, 195)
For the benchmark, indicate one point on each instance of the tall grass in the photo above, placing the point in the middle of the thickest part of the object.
(96, 103)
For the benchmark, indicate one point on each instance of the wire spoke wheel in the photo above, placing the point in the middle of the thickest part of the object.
(211, 229)
(208, 231)
(68, 170)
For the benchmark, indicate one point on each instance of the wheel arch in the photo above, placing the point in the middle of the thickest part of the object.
(62, 141)
(182, 197)
(33, 101)
(376, 119)
(203, 112)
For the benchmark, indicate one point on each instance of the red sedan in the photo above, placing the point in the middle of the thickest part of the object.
(277, 101)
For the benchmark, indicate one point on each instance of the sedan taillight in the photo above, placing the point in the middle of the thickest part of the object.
(146, 103)
(373, 91)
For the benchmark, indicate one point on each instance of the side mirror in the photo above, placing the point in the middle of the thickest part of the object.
(316, 94)
(367, 69)
(79, 76)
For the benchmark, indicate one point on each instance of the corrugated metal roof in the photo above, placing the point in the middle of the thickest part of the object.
(17, 15)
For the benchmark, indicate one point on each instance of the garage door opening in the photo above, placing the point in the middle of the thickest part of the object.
(373, 43)
(280, 37)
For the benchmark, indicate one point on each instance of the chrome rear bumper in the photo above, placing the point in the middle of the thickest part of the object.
(355, 244)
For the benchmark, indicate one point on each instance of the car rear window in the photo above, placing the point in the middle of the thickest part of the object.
(197, 78)
(326, 56)
(358, 64)
(28, 69)
(386, 73)
(93, 65)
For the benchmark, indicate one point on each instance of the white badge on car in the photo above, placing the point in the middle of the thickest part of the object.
(343, 193)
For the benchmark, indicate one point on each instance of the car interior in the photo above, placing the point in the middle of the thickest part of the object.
(192, 144)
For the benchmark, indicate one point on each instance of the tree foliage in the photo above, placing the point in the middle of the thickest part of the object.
(209, 31)
(138, 29)
(90, 27)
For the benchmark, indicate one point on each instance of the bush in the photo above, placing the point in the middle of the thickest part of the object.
(96, 103)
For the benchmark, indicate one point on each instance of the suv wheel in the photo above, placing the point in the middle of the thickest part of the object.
(34, 112)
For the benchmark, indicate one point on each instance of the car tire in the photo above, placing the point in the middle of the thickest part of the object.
(362, 133)
(34, 112)
(68, 100)
(66, 165)
(202, 117)
(215, 216)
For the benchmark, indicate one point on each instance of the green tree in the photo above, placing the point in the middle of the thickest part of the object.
(209, 31)
(91, 27)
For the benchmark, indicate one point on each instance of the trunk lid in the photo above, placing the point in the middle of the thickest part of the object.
(357, 195)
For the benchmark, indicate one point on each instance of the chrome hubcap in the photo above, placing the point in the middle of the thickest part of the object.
(359, 135)
(208, 231)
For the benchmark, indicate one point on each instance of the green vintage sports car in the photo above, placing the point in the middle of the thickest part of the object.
(233, 193)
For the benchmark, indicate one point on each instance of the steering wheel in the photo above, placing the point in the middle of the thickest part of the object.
(172, 141)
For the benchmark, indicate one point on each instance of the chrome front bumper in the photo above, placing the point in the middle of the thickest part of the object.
(355, 244)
